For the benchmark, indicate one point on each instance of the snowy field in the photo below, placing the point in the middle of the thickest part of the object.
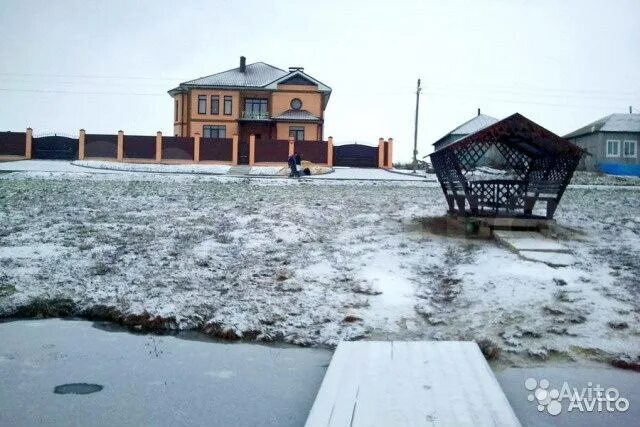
(312, 262)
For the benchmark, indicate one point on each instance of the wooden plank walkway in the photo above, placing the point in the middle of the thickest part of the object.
(420, 383)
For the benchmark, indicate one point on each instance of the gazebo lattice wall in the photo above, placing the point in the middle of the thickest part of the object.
(540, 165)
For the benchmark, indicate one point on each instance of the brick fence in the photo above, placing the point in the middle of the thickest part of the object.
(172, 149)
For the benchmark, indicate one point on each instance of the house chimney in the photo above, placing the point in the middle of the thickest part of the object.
(478, 111)
(243, 64)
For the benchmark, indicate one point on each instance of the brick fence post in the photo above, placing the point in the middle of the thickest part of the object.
(234, 149)
(390, 153)
(81, 143)
(292, 145)
(380, 152)
(330, 152)
(28, 142)
(252, 149)
(158, 147)
(120, 146)
(196, 147)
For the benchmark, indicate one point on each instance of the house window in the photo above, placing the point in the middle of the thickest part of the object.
(228, 105)
(613, 148)
(630, 149)
(297, 132)
(255, 108)
(215, 104)
(214, 131)
(175, 114)
(202, 104)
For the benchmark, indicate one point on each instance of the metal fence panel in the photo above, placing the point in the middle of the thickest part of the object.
(13, 143)
(220, 149)
(272, 150)
(100, 145)
(313, 151)
(139, 147)
(177, 148)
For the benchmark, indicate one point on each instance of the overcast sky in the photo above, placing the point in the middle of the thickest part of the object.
(107, 65)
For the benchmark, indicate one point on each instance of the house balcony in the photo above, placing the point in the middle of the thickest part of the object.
(261, 116)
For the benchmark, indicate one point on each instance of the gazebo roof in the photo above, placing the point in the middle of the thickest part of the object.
(521, 134)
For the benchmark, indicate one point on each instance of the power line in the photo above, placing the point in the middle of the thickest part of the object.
(542, 95)
(81, 92)
(453, 94)
(10, 80)
(520, 87)
(482, 95)
(526, 88)
(89, 76)
(515, 101)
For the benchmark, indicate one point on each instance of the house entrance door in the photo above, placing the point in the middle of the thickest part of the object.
(258, 130)
(243, 151)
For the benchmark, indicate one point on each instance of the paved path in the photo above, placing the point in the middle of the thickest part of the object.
(533, 246)
(368, 174)
(239, 170)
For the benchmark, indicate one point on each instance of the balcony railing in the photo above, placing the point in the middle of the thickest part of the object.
(255, 115)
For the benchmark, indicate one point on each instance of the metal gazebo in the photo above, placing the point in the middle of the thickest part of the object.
(537, 167)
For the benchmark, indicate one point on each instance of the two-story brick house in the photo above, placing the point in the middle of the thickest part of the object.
(257, 99)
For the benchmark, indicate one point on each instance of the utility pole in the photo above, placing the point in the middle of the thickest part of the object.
(415, 129)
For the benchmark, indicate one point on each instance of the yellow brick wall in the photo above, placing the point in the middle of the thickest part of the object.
(231, 126)
(281, 100)
(310, 130)
(235, 111)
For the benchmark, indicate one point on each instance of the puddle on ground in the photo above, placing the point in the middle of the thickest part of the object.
(77, 388)
(149, 379)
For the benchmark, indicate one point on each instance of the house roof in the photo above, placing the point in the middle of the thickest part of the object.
(258, 75)
(610, 123)
(480, 121)
(297, 115)
(521, 133)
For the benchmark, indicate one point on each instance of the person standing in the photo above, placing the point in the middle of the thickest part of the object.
(292, 166)
(298, 158)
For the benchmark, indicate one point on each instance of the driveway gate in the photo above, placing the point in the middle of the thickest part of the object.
(55, 147)
(355, 155)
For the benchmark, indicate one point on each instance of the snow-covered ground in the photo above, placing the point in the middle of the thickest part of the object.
(369, 174)
(103, 166)
(188, 168)
(152, 167)
(312, 262)
(342, 173)
(44, 166)
(580, 179)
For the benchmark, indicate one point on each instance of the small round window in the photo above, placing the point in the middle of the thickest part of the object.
(296, 104)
